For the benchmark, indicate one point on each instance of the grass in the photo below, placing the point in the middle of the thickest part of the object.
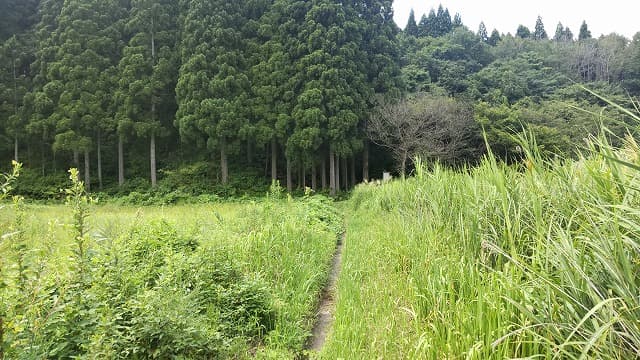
(537, 260)
(276, 253)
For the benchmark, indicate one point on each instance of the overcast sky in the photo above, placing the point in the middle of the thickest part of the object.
(603, 17)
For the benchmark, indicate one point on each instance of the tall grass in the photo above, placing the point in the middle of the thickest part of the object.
(196, 281)
(540, 259)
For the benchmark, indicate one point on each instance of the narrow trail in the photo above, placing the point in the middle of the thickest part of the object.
(327, 305)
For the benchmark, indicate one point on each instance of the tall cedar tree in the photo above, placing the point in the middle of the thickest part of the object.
(383, 70)
(85, 67)
(539, 32)
(482, 32)
(412, 26)
(145, 99)
(46, 90)
(584, 33)
(213, 85)
(495, 38)
(273, 76)
(334, 92)
(14, 83)
(457, 20)
(443, 22)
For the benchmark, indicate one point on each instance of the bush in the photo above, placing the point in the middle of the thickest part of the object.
(150, 293)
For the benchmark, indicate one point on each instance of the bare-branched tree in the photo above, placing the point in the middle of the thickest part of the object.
(424, 125)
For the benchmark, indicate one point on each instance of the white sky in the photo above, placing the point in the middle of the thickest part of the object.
(603, 17)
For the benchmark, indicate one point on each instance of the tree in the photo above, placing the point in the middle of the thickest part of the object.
(14, 73)
(495, 38)
(539, 32)
(44, 95)
(85, 66)
(428, 25)
(424, 27)
(333, 94)
(430, 126)
(568, 35)
(213, 85)
(443, 23)
(273, 76)
(631, 70)
(17, 16)
(482, 32)
(523, 32)
(383, 69)
(148, 78)
(559, 35)
(584, 32)
(457, 21)
(412, 27)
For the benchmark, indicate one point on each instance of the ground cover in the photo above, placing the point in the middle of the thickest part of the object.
(534, 260)
(191, 281)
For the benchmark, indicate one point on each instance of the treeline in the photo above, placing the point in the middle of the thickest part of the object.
(528, 80)
(91, 79)
(129, 89)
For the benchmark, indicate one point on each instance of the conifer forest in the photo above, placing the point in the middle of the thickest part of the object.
(224, 94)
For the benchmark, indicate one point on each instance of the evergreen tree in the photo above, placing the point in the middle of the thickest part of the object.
(447, 24)
(213, 85)
(273, 76)
(85, 67)
(539, 32)
(568, 35)
(383, 55)
(16, 17)
(559, 35)
(14, 83)
(145, 100)
(412, 27)
(495, 38)
(482, 32)
(523, 32)
(333, 96)
(442, 23)
(46, 89)
(424, 27)
(584, 33)
(457, 20)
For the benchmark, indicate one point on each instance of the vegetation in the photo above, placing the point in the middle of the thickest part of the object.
(523, 245)
(131, 91)
(131, 283)
(535, 259)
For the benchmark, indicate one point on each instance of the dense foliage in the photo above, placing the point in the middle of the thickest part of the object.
(534, 260)
(98, 283)
(130, 91)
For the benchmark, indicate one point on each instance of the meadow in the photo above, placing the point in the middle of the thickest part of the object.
(194, 281)
(536, 260)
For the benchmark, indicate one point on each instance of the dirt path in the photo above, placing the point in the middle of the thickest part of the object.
(327, 306)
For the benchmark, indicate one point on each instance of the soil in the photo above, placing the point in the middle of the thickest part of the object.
(327, 305)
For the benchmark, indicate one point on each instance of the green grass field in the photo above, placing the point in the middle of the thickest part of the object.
(533, 261)
(196, 281)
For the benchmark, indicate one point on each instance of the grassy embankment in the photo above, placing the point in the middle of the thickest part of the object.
(496, 262)
(196, 281)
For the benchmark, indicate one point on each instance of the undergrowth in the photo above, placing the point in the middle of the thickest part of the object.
(203, 286)
(535, 260)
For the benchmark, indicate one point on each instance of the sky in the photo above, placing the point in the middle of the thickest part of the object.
(602, 17)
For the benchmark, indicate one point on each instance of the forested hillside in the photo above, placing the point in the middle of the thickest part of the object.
(220, 95)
